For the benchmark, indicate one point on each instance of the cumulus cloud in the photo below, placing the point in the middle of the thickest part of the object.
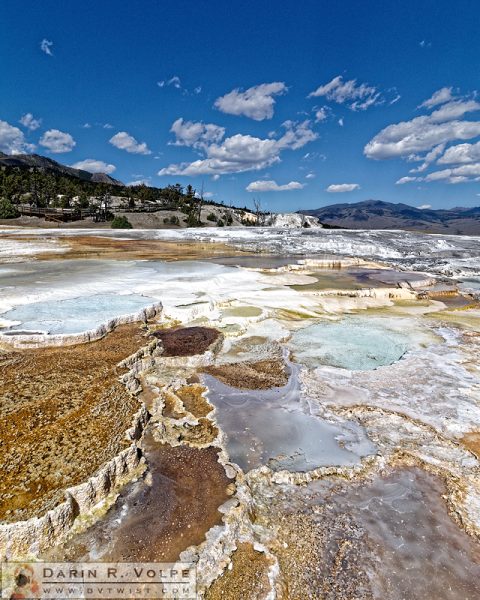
(196, 134)
(461, 154)
(355, 96)
(404, 180)
(421, 134)
(240, 153)
(336, 188)
(94, 166)
(256, 102)
(124, 141)
(272, 186)
(46, 46)
(428, 138)
(429, 158)
(57, 141)
(439, 97)
(12, 140)
(30, 122)
(321, 114)
(456, 174)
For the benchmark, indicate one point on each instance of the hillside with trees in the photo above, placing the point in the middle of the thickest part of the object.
(29, 190)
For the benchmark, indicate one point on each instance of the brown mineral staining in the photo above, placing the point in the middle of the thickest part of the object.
(186, 341)
(64, 414)
(261, 375)
(194, 401)
(171, 406)
(472, 442)
(203, 433)
(317, 559)
(248, 577)
(166, 513)
(83, 246)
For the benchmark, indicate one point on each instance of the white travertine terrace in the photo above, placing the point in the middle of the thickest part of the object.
(414, 407)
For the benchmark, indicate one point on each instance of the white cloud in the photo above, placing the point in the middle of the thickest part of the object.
(57, 141)
(46, 46)
(198, 89)
(139, 182)
(12, 140)
(439, 97)
(30, 122)
(426, 138)
(272, 186)
(124, 141)
(425, 44)
(340, 122)
(256, 103)
(86, 126)
(321, 114)
(457, 174)
(404, 180)
(196, 134)
(424, 206)
(453, 110)
(429, 158)
(173, 81)
(94, 166)
(356, 97)
(461, 154)
(310, 176)
(240, 153)
(421, 134)
(107, 126)
(336, 188)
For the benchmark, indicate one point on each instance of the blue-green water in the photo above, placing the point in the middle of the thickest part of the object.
(355, 343)
(74, 315)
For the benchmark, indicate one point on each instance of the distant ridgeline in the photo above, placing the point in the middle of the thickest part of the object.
(375, 214)
(43, 182)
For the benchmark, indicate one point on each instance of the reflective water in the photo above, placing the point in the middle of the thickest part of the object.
(275, 428)
(74, 315)
(387, 539)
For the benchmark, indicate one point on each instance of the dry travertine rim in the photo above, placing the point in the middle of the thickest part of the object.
(66, 339)
(27, 538)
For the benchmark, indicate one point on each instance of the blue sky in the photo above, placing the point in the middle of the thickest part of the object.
(300, 104)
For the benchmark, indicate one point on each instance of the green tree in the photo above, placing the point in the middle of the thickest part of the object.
(7, 209)
(121, 222)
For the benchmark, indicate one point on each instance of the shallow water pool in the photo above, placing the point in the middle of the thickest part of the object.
(355, 343)
(74, 315)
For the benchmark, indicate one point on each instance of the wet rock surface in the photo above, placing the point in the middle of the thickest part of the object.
(390, 538)
(353, 473)
(161, 514)
(260, 375)
(247, 577)
(186, 341)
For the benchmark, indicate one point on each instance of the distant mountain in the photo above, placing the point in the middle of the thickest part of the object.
(29, 161)
(375, 214)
